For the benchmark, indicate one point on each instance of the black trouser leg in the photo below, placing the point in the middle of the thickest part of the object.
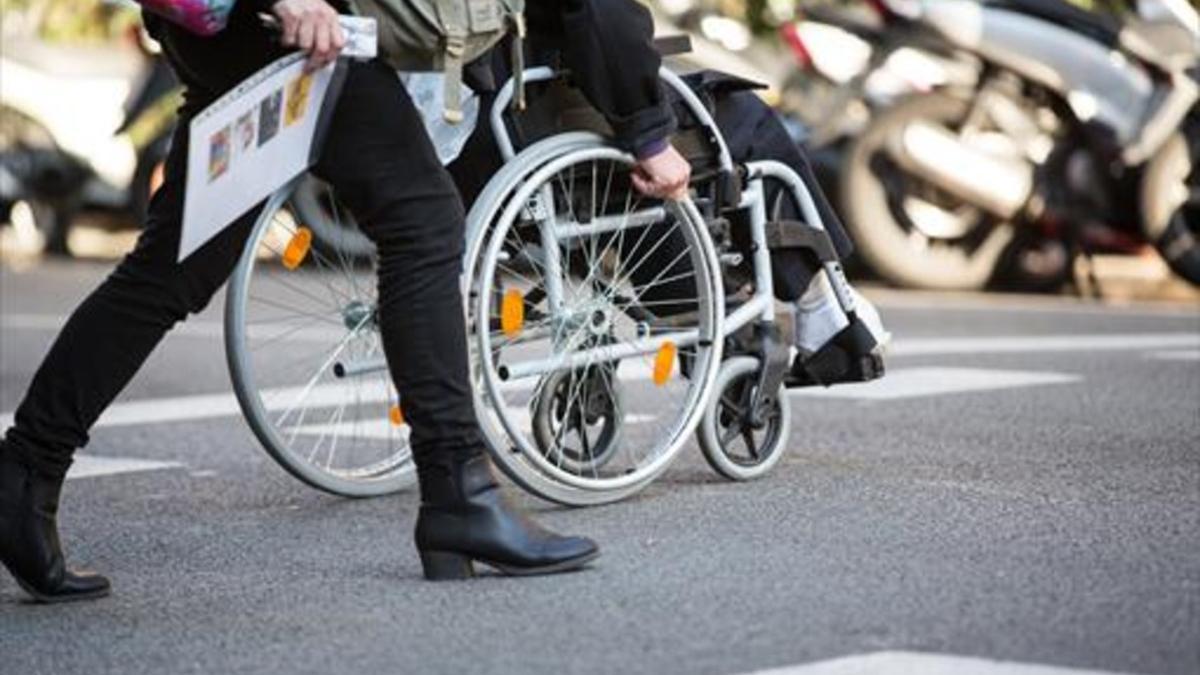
(384, 168)
(382, 164)
(114, 330)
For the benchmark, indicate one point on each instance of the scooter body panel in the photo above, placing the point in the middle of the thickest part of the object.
(1099, 82)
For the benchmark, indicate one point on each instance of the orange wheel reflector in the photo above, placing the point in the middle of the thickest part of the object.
(297, 249)
(664, 362)
(396, 415)
(512, 313)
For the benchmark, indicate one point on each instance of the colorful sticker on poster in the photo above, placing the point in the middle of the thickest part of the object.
(245, 131)
(297, 99)
(218, 154)
(269, 112)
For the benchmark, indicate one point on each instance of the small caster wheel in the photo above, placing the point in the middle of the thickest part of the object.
(732, 444)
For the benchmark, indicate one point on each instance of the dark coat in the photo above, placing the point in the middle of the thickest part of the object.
(608, 45)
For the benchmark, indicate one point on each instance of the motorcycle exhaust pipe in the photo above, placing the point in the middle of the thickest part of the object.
(999, 185)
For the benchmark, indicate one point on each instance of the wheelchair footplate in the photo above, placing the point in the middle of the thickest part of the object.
(852, 355)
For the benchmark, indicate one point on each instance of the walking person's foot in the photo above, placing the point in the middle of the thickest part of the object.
(29, 545)
(464, 519)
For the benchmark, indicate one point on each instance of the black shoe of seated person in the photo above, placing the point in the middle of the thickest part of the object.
(851, 356)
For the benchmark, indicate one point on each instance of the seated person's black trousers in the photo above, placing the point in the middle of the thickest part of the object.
(752, 131)
(382, 165)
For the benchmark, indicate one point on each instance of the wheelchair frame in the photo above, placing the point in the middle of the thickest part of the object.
(761, 306)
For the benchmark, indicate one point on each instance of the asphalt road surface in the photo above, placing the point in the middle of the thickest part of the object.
(1023, 488)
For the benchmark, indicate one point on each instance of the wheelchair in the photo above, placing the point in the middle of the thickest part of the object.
(605, 328)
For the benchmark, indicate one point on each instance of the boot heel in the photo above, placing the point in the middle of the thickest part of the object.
(443, 566)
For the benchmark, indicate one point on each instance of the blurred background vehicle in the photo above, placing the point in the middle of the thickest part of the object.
(990, 144)
(86, 113)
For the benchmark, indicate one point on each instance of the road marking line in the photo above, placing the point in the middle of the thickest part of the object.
(1042, 344)
(211, 406)
(904, 663)
(208, 406)
(55, 323)
(88, 466)
(902, 347)
(373, 429)
(381, 428)
(991, 303)
(898, 383)
(918, 382)
(192, 329)
(1176, 355)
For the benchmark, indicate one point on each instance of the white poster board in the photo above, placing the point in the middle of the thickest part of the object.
(260, 135)
(248, 144)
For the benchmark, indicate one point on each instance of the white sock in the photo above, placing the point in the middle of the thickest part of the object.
(819, 317)
(870, 317)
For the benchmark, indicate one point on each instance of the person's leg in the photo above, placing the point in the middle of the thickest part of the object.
(100, 348)
(832, 346)
(114, 330)
(384, 168)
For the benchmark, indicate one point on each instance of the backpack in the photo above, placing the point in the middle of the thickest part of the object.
(445, 35)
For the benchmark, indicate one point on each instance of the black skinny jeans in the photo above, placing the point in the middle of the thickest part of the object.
(380, 161)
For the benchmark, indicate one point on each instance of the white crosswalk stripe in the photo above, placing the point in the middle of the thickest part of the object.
(1041, 344)
(88, 466)
(909, 663)
(1175, 355)
(918, 382)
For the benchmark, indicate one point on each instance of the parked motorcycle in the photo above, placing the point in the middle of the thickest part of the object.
(850, 63)
(150, 118)
(1080, 134)
(82, 128)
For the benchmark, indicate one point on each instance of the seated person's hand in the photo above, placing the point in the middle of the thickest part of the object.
(311, 25)
(664, 175)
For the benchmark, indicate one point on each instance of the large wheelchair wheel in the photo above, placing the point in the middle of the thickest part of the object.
(595, 318)
(306, 358)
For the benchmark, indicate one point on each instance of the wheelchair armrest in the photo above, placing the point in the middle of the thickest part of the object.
(673, 45)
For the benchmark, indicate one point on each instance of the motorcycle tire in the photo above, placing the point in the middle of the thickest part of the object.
(27, 144)
(1170, 202)
(875, 193)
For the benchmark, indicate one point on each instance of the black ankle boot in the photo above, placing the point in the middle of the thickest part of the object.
(29, 545)
(464, 518)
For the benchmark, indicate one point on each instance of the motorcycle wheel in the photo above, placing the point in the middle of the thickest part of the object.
(331, 223)
(22, 140)
(1171, 205)
(915, 235)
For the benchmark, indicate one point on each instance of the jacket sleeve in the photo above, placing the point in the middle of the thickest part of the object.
(608, 45)
(261, 5)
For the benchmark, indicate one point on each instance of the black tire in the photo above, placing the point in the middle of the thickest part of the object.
(151, 163)
(1174, 227)
(55, 224)
(50, 181)
(872, 192)
(332, 225)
